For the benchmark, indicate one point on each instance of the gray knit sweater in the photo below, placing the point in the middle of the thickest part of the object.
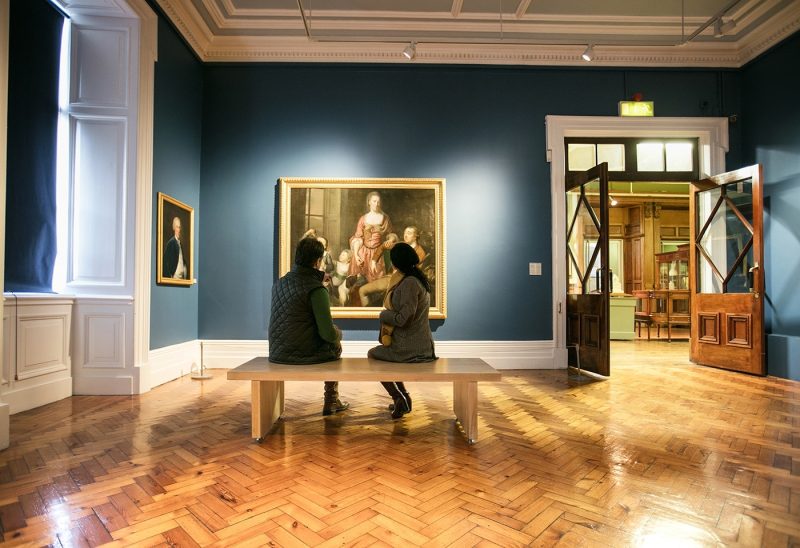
(412, 340)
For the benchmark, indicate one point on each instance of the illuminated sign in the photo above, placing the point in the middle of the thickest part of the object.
(636, 108)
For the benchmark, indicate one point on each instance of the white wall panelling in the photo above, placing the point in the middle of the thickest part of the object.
(98, 202)
(103, 137)
(38, 365)
(113, 52)
(9, 340)
(92, 7)
(103, 346)
(100, 56)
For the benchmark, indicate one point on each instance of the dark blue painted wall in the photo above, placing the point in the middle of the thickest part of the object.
(771, 137)
(480, 128)
(176, 172)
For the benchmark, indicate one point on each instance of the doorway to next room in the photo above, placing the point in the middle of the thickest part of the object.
(648, 241)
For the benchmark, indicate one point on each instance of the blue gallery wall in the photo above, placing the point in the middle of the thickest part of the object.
(771, 137)
(481, 128)
(176, 172)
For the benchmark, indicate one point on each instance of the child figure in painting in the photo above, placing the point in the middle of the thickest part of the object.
(327, 265)
(339, 275)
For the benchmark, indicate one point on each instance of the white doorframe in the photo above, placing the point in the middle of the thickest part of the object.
(712, 134)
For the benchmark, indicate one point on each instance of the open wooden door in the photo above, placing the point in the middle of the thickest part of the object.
(588, 276)
(725, 268)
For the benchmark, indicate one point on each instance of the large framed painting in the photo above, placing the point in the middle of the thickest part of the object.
(175, 255)
(358, 221)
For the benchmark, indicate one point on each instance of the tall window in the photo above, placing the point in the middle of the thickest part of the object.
(62, 165)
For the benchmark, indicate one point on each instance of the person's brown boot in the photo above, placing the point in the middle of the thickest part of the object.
(332, 404)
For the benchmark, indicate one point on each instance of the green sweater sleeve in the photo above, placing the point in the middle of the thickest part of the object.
(321, 306)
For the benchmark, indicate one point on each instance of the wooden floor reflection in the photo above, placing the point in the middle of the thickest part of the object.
(664, 452)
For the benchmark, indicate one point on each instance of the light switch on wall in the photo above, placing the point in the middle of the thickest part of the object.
(535, 269)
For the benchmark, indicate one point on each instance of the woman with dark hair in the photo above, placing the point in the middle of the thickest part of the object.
(405, 330)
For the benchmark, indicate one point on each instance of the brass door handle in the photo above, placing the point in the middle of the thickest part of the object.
(751, 272)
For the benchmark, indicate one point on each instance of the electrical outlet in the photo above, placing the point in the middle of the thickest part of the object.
(535, 269)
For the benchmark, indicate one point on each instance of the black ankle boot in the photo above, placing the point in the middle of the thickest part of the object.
(407, 396)
(402, 388)
(401, 404)
(332, 404)
(401, 407)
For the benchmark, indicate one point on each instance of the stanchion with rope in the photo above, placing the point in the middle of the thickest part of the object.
(200, 374)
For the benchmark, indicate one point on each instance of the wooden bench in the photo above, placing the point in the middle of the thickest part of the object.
(268, 378)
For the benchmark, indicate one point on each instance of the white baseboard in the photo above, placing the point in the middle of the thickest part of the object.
(172, 362)
(104, 385)
(22, 399)
(498, 354)
(227, 354)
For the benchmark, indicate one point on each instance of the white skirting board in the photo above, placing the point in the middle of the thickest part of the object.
(172, 362)
(23, 398)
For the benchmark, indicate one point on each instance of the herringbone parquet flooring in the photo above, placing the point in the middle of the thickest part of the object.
(664, 453)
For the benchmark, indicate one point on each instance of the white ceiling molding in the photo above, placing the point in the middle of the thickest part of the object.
(456, 9)
(773, 32)
(227, 32)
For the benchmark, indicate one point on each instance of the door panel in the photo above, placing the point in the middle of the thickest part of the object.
(587, 268)
(726, 269)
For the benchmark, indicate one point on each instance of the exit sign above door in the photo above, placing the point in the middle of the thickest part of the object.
(636, 108)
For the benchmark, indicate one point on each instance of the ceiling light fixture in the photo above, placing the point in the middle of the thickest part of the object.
(612, 200)
(588, 53)
(411, 51)
(721, 28)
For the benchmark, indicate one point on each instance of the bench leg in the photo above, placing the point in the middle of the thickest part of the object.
(465, 406)
(266, 406)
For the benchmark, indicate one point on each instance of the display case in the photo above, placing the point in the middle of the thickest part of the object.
(673, 268)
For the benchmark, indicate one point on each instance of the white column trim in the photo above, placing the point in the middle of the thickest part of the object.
(148, 55)
(712, 134)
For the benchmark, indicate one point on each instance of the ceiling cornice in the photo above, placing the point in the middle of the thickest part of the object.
(772, 33)
(233, 49)
(249, 48)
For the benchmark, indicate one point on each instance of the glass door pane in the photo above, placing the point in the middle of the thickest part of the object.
(725, 251)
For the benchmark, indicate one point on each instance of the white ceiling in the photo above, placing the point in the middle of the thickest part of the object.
(502, 32)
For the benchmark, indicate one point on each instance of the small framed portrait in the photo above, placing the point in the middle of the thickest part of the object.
(175, 255)
(358, 221)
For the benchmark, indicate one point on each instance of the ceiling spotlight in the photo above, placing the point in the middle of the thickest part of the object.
(612, 200)
(722, 28)
(411, 51)
(588, 53)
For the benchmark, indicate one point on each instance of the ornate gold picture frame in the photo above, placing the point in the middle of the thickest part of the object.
(175, 255)
(358, 220)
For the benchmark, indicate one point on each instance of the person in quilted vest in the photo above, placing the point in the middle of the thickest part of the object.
(301, 330)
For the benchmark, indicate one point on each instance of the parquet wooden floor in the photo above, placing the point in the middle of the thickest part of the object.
(665, 453)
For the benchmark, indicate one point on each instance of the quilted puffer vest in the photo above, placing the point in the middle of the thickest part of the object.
(293, 336)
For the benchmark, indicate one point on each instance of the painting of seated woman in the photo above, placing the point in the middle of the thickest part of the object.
(358, 221)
